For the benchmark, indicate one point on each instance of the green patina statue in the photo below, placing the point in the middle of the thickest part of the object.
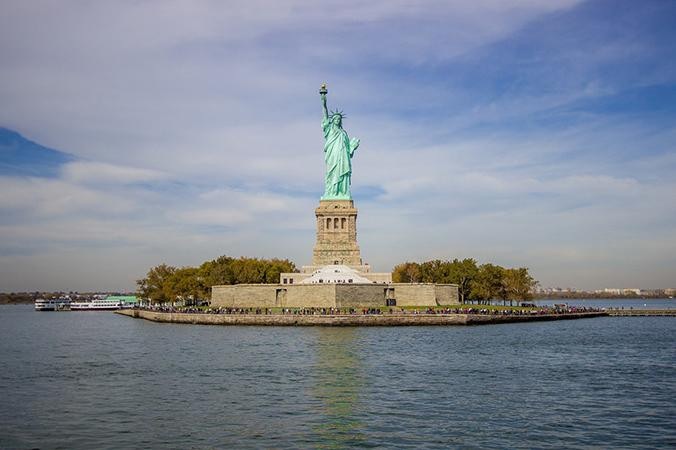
(338, 151)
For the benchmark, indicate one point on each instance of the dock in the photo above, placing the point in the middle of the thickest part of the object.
(641, 312)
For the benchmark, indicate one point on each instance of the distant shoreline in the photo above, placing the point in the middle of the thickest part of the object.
(588, 297)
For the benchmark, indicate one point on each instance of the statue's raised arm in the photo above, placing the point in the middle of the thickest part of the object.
(323, 92)
(338, 152)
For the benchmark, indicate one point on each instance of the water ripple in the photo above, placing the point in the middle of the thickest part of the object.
(98, 380)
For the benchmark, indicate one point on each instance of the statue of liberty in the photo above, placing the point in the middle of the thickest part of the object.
(338, 151)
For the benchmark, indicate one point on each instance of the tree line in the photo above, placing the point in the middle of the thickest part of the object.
(476, 283)
(480, 283)
(164, 283)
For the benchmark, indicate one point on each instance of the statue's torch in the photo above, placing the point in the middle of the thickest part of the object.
(323, 90)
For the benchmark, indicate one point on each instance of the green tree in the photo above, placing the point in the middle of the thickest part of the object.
(462, 273)
(219, 271)
(187, 285)
(247, 271)
(488, 285)
(227, 270)
(434, 271)
(518, 284)
(277, 266)
(475, 283)
(155, 287)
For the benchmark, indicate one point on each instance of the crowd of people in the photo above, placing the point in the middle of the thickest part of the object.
(510, 311)
(544, 310)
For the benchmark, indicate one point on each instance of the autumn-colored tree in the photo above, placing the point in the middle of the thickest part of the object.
(408, 272)
(155, 286)
(187, 284)
(191, 284)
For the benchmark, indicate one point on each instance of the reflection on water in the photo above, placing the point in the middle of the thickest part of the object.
(339, 382)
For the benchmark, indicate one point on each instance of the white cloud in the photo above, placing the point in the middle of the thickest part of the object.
(39, 198)
(199, 125)
(104, 173)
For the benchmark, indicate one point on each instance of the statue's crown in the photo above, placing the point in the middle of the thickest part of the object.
(337, 113)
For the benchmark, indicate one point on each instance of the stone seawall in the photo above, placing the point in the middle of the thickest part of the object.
(333, 295)
(345, 320)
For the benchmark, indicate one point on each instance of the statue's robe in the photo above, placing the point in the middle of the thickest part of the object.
(338, 151)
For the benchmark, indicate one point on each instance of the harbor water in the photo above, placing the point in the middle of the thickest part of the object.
(82, 380)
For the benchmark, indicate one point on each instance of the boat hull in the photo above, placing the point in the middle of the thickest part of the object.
(96, 309)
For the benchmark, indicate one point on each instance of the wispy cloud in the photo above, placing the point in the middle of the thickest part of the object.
(530, 133)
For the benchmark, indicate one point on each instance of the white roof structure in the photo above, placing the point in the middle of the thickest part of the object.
(335, 274)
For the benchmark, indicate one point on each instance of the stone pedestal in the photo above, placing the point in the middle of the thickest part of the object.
(336, 234)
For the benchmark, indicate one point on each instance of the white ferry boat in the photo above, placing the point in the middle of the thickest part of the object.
(52, 304)
(98, 304)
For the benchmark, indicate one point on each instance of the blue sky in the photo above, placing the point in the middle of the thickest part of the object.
(524, 133)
